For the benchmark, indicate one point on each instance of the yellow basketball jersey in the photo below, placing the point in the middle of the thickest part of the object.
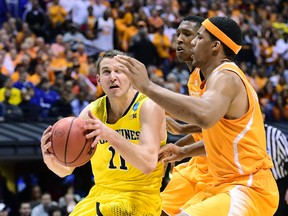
(112, 172)
(237, 148)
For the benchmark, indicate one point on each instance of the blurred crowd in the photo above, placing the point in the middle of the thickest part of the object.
(48, 51)
(49, 48)
(31, 200)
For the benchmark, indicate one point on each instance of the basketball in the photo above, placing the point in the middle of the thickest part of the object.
(69, 144)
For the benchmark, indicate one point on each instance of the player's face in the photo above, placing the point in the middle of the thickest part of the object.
(112, 79)
(201, 48)
(186, 32)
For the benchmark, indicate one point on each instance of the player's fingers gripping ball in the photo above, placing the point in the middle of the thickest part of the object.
(69, 143)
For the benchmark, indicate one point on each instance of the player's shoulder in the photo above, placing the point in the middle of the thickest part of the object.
(230, 78)
(151, 108)
(99, 101)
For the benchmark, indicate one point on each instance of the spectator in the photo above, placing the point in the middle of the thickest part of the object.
(44, 98)
(79, 11)
(162, 44)
(62, 108)
(3, 69)
(36, 19)
(142, 48)
(104, 40)
(11, 97)
(57, 15)
(74, 37)
(25, 209)
(35, 196)
(155, 21)
(24, 33)
(91, 24)
(79, 103)
(55, 211)
(58, 47)
(282, 46)
(98, 8)
(43, 208)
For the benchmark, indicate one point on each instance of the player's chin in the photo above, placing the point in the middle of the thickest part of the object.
(182, 57)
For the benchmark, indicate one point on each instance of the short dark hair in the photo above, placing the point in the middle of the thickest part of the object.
(108, 54)
(196, 19)
(229, 27)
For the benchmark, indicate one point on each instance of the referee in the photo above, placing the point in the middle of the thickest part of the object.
(277, 147)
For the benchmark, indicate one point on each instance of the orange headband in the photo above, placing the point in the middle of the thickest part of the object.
(221, 36)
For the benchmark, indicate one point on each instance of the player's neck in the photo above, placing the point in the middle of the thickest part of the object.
(190, 67)
(208, 69)
(117, 107)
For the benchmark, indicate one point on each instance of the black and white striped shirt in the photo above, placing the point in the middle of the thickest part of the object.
(277, 148)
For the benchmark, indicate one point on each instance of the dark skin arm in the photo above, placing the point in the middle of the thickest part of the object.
(218, 101)
(177, 128)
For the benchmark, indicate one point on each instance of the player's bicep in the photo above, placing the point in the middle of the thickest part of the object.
(218, 96)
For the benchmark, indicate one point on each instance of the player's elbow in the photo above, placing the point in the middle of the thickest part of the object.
(206, 124)
(150, 166)
(62, 175)
(204, 120)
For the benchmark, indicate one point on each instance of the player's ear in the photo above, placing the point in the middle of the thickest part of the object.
(216, 44)
(98, 80)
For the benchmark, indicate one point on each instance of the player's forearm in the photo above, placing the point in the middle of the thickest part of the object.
(195, 149)
(188, 128)
(138, 156)
(188, 139)
(185, 108)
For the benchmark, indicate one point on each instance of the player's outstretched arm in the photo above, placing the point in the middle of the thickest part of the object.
(49, 158)
(205, 111)
(177, 128)
(143, 156)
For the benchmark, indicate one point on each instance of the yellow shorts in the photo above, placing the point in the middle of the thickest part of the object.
(187, 180)
(236, 198)
(108, 202)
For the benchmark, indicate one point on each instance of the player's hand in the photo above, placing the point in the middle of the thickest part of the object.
(48, 157)
(286, 196)
(171, 153)
(96, 129)
(136, 71)
(172, 126)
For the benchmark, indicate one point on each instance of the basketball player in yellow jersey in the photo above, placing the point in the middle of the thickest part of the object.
(129, 129)
(188, 177)
(230, 116)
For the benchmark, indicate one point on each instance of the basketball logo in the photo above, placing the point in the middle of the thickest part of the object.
(135, 107)
(59, 133)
